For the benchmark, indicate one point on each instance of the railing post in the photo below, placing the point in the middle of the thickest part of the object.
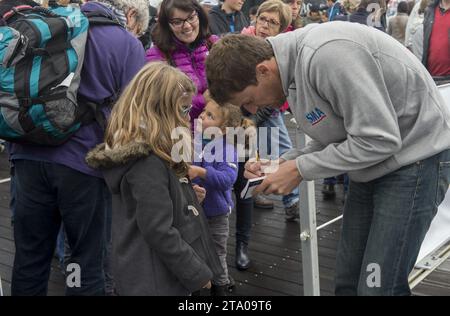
(308, 232)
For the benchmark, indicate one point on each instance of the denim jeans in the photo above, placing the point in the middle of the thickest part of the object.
(12, 195)
(47, 194)
(334, 180)
(60, 245)
(244, 208)
(107, 264)
(284, 144)
(385, 222)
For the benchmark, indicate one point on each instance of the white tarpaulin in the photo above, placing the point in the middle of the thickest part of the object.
(439, 232)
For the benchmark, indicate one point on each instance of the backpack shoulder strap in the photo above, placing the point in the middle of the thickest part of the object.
(16, 10)
(101, 18)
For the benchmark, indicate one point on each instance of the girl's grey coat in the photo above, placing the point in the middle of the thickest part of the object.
(161, 242)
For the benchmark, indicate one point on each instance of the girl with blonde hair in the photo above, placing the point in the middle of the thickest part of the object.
(161, 243)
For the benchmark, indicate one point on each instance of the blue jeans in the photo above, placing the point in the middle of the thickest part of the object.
(107, 264)
(12, 206)
(48, 194)
(333, 181)
(385, 222)
(60, 245)
(284, 145)
(12, 195)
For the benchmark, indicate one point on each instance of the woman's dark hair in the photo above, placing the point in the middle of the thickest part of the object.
(253, 10)
(163, 36)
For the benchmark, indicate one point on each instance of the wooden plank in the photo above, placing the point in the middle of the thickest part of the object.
(427, 289)
(6, 244)
(6, 232)
(327, 256)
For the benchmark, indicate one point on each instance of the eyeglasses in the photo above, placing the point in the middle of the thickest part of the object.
(185, 110)
(179, 23)
(271, 22)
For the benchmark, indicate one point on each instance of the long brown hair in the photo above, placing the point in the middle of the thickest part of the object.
(150, 109)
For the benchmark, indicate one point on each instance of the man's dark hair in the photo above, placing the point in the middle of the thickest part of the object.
(163, 36)
(402, 7)
(231, 64)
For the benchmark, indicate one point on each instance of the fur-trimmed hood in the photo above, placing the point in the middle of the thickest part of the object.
(115, 163)
(102, 157)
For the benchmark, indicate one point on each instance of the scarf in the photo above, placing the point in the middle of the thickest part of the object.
(119, 13)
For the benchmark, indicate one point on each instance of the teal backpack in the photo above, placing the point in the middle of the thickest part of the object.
(41, 57)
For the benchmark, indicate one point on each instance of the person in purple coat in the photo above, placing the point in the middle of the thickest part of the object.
(216, 169)
(55, 184)
(182, 39)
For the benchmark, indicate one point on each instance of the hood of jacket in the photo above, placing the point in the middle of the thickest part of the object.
(286, 48)
(114, 163)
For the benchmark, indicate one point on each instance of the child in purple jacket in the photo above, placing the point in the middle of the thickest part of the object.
(215, 169)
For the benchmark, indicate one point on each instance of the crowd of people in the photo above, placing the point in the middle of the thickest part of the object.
(113, 200)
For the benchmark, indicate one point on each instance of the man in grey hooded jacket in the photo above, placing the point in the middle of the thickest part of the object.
(374, 112)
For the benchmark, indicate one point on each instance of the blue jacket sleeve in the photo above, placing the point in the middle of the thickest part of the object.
(222, 175)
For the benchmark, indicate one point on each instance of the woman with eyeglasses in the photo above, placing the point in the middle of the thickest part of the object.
(182, 39)
(273, 17)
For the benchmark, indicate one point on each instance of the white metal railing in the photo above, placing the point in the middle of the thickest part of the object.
(330, 222)
(1, 287)
(5, 180)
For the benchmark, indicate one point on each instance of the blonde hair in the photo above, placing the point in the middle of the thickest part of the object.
(150, 109)
(232, 117)
(277, 6)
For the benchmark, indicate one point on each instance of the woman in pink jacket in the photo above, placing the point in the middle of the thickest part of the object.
(181, 38)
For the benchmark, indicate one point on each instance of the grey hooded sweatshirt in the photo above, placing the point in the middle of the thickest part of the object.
(367, 102)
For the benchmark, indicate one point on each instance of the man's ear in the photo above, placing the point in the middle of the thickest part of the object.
(262, 70)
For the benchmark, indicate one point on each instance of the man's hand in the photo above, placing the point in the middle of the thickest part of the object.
(207, 285)
(282, 182)
(200, 192)
(253, 169)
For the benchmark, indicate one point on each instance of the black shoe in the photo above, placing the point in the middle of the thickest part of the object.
(292, 213)
(219, 290)
(242, 259)
(328, 191)
(231, 284)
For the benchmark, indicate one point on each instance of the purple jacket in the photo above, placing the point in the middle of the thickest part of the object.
(192, 63)
(106, 71)
(220, 177)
